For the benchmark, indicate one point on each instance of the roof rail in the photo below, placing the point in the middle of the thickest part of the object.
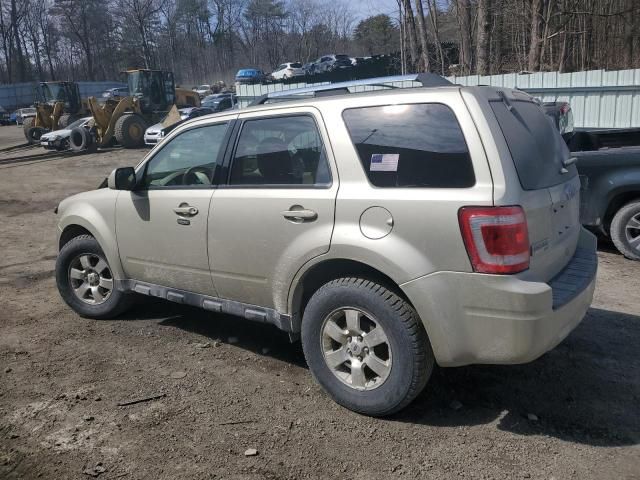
(342, 88)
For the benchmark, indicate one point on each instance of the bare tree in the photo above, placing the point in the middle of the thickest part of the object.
(424, 41)
(483, 38)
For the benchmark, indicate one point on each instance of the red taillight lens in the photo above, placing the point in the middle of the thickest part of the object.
(496, 238)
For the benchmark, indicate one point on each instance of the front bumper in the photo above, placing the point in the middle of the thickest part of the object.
(501, 319)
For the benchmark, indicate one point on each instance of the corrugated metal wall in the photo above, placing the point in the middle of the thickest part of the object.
(18, 95)
(598, 98)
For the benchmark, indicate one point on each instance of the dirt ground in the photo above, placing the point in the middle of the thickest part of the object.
(226, 385)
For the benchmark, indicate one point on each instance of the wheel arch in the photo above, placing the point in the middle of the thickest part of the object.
(616, 202)
(74, 224)
(330, 269)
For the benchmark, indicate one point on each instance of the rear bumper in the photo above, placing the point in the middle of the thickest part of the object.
(500, 319)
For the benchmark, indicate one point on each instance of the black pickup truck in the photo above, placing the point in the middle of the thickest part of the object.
(608, 163)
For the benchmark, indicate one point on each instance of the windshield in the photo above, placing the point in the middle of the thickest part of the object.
(343, 57)
(52, 91)
(78, 123)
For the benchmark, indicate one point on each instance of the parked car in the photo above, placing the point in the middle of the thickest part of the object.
(154, 133)
(203, 90)
(250, 75)
(330, 63)
(59, 139)
(23, 113)
(117, 93)
(454, 239)
(309, 68)
(288, 70)
(220, 102)
(608, 162)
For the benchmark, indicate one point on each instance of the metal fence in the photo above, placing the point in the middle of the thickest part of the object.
(18, 95)
(598, 98)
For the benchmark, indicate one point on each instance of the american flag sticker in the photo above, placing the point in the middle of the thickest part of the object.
(384, 162)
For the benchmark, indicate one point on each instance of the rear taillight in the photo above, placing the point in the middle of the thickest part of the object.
(496, 238)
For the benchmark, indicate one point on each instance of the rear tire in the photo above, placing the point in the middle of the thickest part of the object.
(85, 281)
(625, 230)
(373, 373)
(27, 124)
(129, 130)
(67, 119)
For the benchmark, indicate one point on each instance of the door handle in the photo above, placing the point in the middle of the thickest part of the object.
(300, 216)
(186, 210)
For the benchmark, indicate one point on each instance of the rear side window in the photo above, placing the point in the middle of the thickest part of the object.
(535, 144)
(285, 150)
(416, 145)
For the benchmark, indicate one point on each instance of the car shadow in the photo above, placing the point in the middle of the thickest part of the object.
(586, 390)
(259, 338)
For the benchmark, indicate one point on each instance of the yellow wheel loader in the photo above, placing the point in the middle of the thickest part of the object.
(57, 105)
(152, 97)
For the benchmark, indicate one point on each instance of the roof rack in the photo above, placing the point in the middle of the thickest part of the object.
(342, 88)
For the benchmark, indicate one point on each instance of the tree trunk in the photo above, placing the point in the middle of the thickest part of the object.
(433, 17)
(629, 34)
(22, 71)
(484, 37)
(424, 41)
(410, 26)
(463, 9)
(535, 45)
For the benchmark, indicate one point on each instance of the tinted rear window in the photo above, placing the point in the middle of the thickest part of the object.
(535, 144)
(418, 145)
(296, 65)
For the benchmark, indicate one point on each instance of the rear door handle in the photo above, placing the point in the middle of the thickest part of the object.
(186, 210)
(300, 215)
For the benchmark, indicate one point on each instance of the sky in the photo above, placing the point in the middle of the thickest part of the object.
(366, 8)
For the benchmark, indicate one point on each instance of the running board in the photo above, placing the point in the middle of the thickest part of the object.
(212, 304)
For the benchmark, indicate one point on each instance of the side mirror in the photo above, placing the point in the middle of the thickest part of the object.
(122, 179)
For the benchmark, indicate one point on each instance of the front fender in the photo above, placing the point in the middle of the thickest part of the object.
(95, 212)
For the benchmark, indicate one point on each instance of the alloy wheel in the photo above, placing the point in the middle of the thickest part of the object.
(90, 278)
(356, 348)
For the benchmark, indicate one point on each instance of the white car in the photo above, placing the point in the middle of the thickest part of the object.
(59, 139)
(23, 114)
(203, 90)
(288, 70)
(152, 134)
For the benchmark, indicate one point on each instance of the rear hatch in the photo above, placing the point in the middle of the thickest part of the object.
(550, 190)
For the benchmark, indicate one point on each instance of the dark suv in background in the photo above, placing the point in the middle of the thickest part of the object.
(330, 63)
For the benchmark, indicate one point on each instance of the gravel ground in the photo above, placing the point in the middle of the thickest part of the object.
(226, 385)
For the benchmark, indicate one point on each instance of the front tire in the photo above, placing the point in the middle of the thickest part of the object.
(85, 280)
(625, 230)
(129, 130)
(366, 346)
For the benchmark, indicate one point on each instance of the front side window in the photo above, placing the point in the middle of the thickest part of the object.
(188, 159)
(415, 145)
(280, 151)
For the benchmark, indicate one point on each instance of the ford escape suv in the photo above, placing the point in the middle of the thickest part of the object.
(389, 231)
